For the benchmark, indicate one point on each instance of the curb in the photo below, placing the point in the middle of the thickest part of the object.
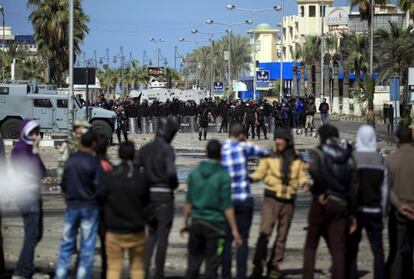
(43, 143)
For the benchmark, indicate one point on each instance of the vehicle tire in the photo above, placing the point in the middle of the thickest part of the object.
(101, 127)
(10, 129)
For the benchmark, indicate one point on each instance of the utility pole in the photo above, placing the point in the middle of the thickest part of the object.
(282, 53)
(322, 47)
(71, 111)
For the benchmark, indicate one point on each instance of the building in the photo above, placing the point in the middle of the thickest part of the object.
(266, 39)
(9, 37)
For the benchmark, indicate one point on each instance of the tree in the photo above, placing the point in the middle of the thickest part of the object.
(311, 51)
(50, 22)
(394, 50)
(408, 6)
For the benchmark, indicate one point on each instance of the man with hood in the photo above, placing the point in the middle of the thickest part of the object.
(284, 173)
(209, 205)
(310, 111)
(158, 160)
(28, 164)
(372, 197)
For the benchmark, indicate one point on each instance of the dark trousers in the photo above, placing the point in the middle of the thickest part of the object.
(33, 231)
(250, 125)
(273, 212)
(262, 126)
(206, 243)
(372, 223)
(400, 260)
(159, 230)
(2, 260)
(101, 233)
(244, 217)
(330, 221)
(224, 125)
(124, 132)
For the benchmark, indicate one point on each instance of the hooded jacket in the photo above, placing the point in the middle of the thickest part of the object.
(158, 160)
(372, 173)
(23, 151)
(209, 192)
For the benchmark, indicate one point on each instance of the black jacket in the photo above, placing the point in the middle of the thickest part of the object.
(126, 196)
(2, 152)
(81, 181)
(158, 160)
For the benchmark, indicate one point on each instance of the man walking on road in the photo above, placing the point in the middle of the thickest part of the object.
(332, 169)
(158, 160)
(324, 110)
(235, 155)
(401, 220)
(81, 188)
(209, 204)
(283, 174)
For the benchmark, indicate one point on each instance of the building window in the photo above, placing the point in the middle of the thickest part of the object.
(312, 11)
(42, 103)
(302, 11)
(324, 11)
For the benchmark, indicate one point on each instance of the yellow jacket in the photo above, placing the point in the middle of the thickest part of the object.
(270, 170)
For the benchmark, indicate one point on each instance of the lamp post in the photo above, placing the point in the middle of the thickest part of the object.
(106, 57)
(121, 57)
(198, 66)
(254, 12)
(157, 51)
(87, 63)
(4, 43)
(145, 59)
(230, 27)
(322, 47)
(13, 68)
(71, 112)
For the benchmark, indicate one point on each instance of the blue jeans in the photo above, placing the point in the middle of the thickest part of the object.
(87, 219)
(325, 118)
(244, 217)
(33, 231)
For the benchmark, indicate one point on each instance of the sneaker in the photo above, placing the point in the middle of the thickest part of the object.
(275, 274)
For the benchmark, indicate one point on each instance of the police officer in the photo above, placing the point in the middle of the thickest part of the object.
(144, 113)
(102, 102)
(203, 116)
(122, 120)
(224, 114)
(260, 112)
(250, 118)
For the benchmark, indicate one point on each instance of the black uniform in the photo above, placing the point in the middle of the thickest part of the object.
(203, 119)
(158, 160)
(122, 120)
(250, 119)
(261, 121)
(224, 114)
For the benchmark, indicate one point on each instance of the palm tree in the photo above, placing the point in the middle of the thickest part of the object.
(394, 50)
(297, 55)
(50, 23)
(311, 52)
(408, 6)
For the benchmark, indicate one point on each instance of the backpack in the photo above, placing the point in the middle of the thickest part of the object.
(337, 168)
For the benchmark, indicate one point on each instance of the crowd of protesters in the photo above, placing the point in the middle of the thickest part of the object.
(130, 206)
(296, 113)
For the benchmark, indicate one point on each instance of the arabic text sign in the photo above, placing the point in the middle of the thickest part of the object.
(218, 88)
(337, 15)
(262, 80)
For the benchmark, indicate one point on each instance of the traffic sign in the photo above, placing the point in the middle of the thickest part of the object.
(262, 80)
(219, 87)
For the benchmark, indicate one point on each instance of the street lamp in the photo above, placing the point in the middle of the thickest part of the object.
(145, 59)
(71, 111)
(211, 36)
(121, 57)
(253, 21)
(157, 42)
(4, 46)
(229, 31)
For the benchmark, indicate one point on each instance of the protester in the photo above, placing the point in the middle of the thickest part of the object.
(72, 145)
(372, 200)
(28, 165)
(310, 111)
(401, 219)
(324, 110)
(235, 154)
(250, 119)
(332, 169)
(158, 160)
(106, 166)
(209, 204)
(283, 173)
(82, 191)
(126, 195)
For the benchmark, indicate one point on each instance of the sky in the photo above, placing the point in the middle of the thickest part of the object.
(131, 23)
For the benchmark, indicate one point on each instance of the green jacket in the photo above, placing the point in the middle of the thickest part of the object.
(209, 192)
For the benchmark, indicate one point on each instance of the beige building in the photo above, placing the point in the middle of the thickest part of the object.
(267, 40)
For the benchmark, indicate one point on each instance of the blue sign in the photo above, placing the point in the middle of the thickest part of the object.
(218, 87)
(395, 89)
(262, 80)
